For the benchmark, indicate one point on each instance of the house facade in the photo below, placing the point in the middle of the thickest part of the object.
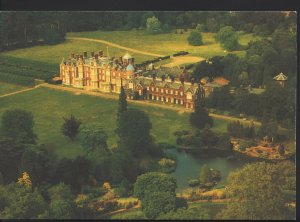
(104, 74)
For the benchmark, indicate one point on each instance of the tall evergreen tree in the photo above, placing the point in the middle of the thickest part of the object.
(122, 102)
(199, 118)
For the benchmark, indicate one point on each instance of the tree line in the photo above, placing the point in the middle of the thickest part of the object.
(20, 29)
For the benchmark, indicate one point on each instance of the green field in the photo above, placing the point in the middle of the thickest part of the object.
(9, 88)
(49, 106)
(166, 44)
(54, 54)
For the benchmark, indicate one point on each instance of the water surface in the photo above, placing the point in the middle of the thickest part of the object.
(189, 166)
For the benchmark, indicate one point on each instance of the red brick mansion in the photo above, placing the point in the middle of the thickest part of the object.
(104, 74)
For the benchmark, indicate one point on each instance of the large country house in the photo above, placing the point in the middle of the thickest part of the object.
(101, 73)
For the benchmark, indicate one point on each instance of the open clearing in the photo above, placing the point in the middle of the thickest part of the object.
(9, 88)
(177, 61)
(139, 40)
(49, 106)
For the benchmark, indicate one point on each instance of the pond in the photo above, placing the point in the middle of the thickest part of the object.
(189, 166)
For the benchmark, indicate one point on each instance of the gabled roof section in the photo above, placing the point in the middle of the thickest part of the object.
(280, 77)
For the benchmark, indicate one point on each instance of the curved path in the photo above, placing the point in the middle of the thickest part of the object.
(176, 61)
(21, 91)
(116, 45)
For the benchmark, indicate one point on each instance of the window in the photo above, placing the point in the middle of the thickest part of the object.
(181, 93)
(147, 87)
(161, 90)
(171, 91)
(156, 89)
(176, 92)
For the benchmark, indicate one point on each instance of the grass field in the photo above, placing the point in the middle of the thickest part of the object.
(166, 44)
(9, 88)
(54, 54)
(50, 106)
(137, 39)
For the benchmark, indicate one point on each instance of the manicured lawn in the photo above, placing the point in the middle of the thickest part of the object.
(54, 54)
(166, 44)
(9, 88)
(50, 106)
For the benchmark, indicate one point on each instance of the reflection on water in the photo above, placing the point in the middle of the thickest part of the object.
(189, 166)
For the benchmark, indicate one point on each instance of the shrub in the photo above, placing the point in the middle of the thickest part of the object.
(51, 37)
(195, 39)
(193, 183)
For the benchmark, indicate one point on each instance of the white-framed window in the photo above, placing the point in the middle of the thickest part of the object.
(176, 92)
(171, 91)
(161, 90)
(189, 95)
(181, 93)
(156, 89)
(147, 87)
(152, 88)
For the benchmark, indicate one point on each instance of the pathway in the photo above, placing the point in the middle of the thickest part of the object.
(176, 61)
(117, 46)
(21, 91)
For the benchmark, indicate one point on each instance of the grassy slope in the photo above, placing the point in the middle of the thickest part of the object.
(49, 106)
(137, 39)
(54, 54)
(9, 88)
(163, 43)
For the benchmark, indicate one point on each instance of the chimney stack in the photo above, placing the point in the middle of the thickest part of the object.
(84, 54)
(92, 54)
(72, 55)
(101, 53)
(96, 56)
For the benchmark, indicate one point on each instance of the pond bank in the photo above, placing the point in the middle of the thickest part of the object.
(189, 165)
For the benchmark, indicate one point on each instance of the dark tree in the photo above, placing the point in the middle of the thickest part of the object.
(70, 127)
(18, 125)
(200, 118)
(134, 132)
(228, 38)
(195, 39)
(61, 205)
(122, 102)
(52, 37)
(73, 172)
(10, 158)
(157, 193)
(39, 163)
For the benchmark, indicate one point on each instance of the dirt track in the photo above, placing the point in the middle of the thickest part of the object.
(176, 61)
(116, 45)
